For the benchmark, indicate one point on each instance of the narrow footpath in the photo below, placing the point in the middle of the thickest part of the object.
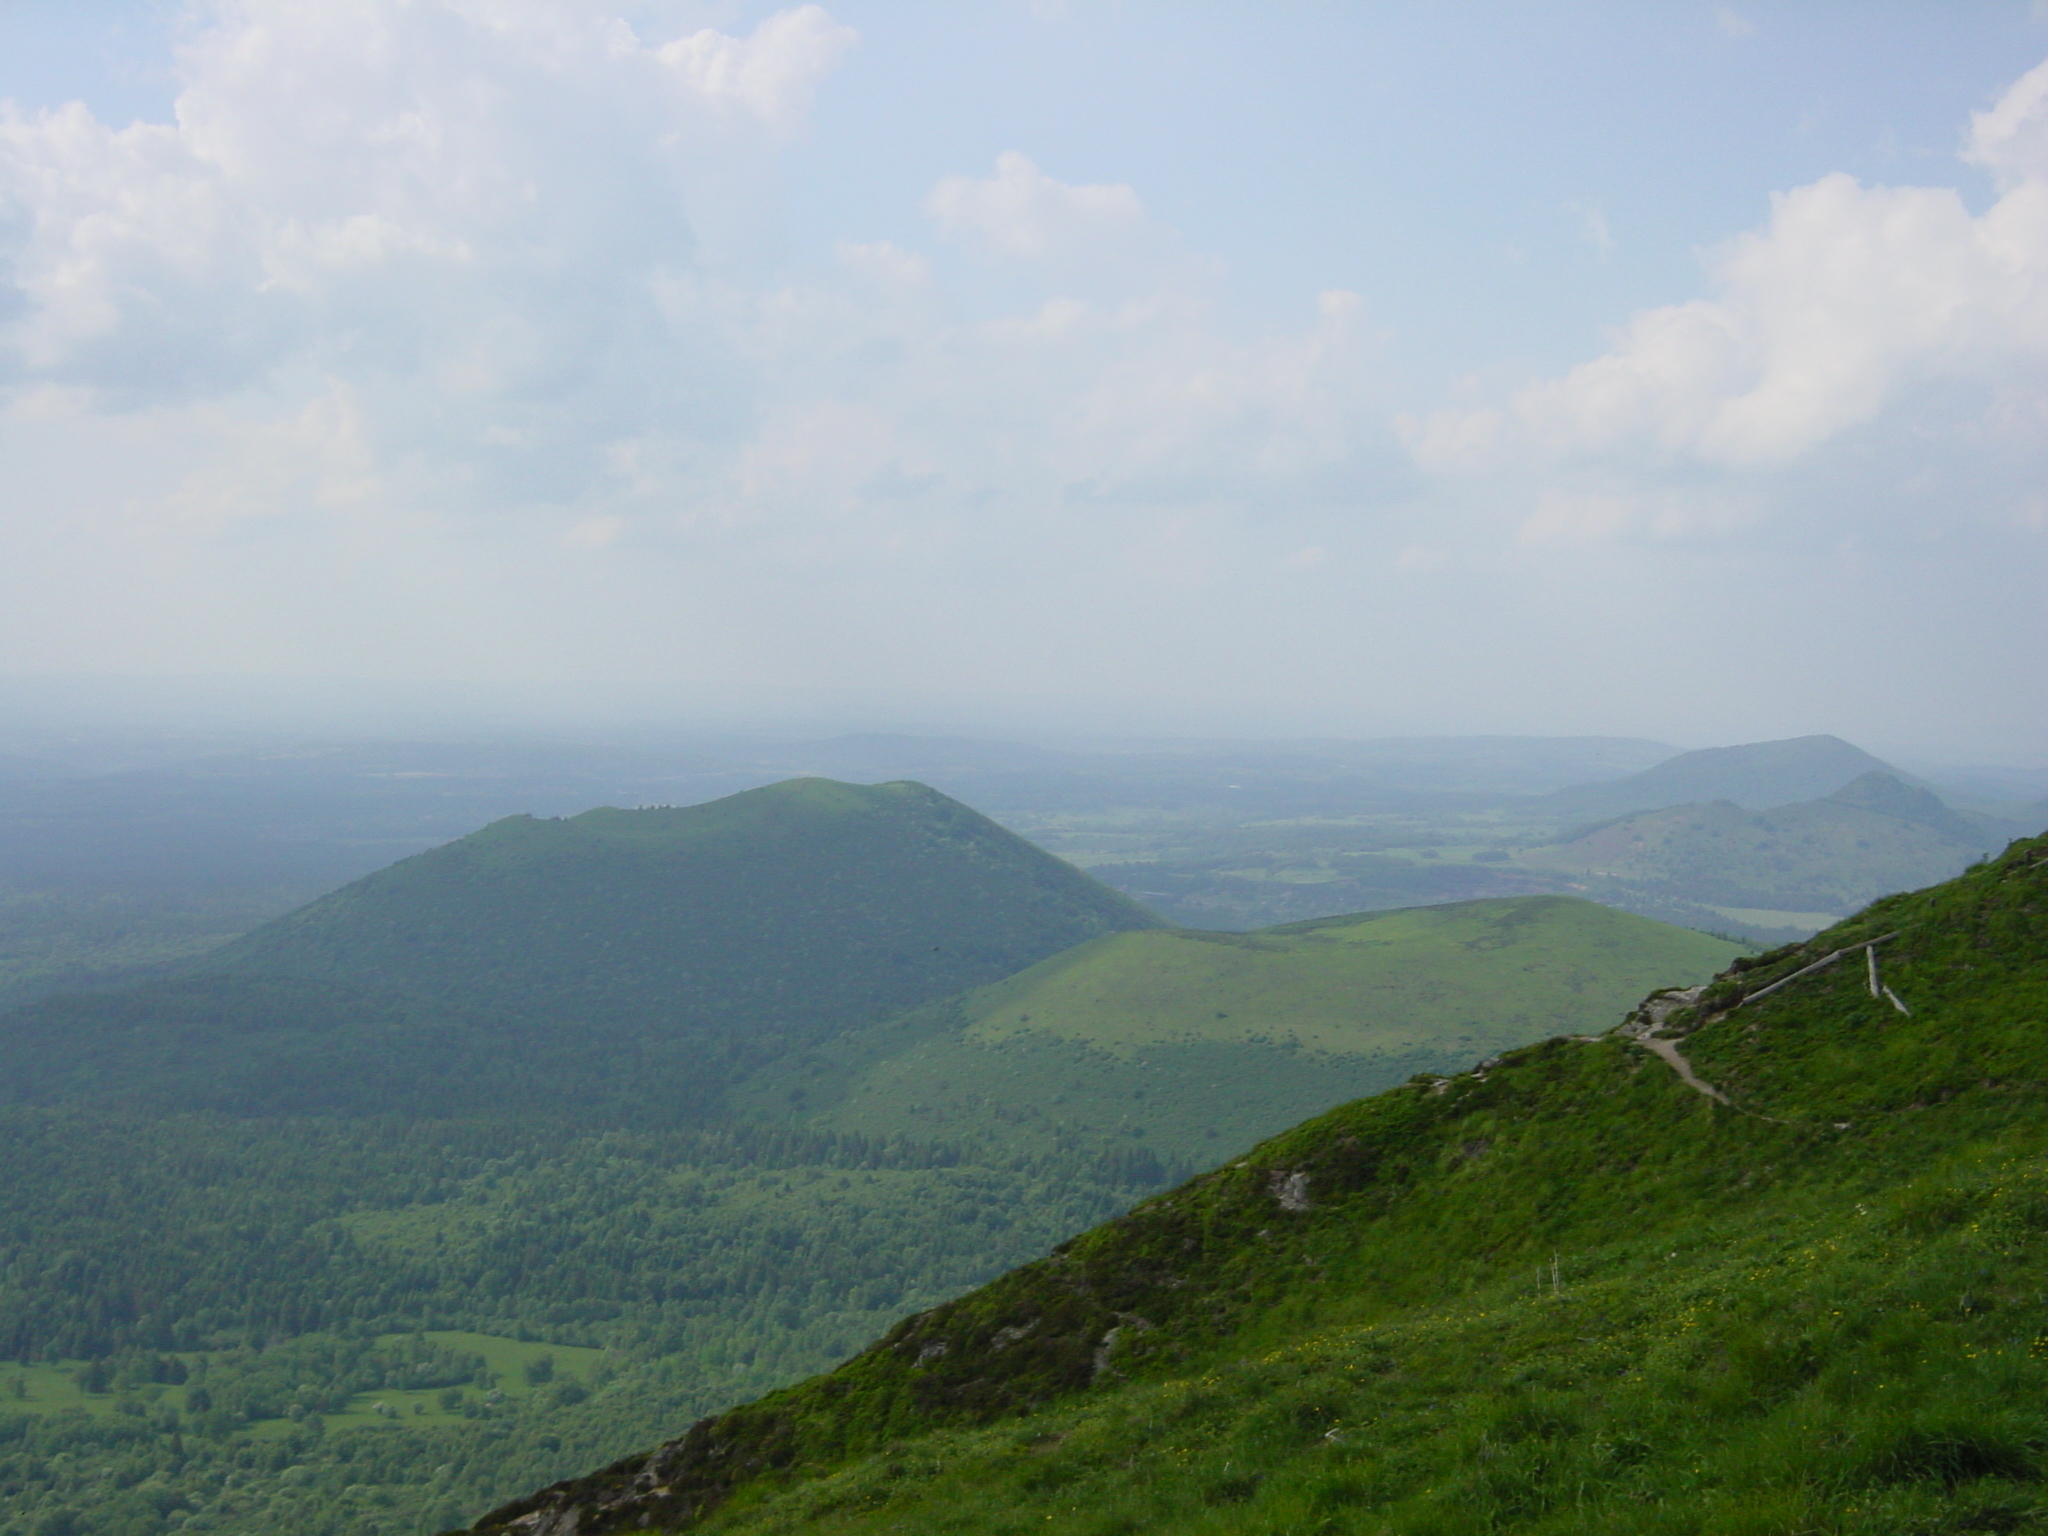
(1644, 1024)
(1667, 1050)
(1643, 1030)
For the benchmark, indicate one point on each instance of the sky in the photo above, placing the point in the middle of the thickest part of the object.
(1674, 370)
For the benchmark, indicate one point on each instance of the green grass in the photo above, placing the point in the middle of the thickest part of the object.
(1195, 1044)
(1568, 1294)
(1382, 982)
(1785, 1377)
(509, 1362)
(50, 1387)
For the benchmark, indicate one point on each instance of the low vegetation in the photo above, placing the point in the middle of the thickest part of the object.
(319, 1241)
(203, 1315)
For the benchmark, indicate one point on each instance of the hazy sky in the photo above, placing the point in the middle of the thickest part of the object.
(1360, 369)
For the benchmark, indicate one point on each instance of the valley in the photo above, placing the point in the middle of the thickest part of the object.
(1033, 769)
(578, 1124)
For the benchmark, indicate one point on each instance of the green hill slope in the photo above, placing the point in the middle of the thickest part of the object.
(1756, 775)
(1825, 857)
(1574, 1292)
(624, 959)
(1193, 1044)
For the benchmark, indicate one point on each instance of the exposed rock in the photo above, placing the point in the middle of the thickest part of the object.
(1290, 1189)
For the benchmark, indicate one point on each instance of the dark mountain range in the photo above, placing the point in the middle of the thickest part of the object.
(120, 858)
(1797, 862)
(306, 818)
(1756, 776)
(1889, 795)
(637, 958)
(1764, 1259)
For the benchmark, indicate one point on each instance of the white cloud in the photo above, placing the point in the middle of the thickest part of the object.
(1097, 239)
(411, 190)
(1851, 304)
(772, 74)
(432, 336)
(1732, 23)
(2012, 138)
(1022, 212)
(441, 287)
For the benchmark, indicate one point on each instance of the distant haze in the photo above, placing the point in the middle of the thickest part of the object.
(1676, 372)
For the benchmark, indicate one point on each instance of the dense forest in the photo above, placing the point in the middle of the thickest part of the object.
(203, 1313)
(287, 1236)
(614, 966)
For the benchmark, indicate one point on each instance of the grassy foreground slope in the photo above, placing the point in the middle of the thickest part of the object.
(1569, 1293)
(1195, 1044)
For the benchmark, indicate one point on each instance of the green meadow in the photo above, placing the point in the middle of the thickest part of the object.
(1192, 1044)
(1781, 1375)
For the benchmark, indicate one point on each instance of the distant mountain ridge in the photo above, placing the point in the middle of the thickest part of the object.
(620, 958)
(1829, 855)
(888, 894)
(1755, 776)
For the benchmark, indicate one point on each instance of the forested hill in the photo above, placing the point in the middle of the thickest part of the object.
(629, 961)
(810, 903)
(1767, 1258)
